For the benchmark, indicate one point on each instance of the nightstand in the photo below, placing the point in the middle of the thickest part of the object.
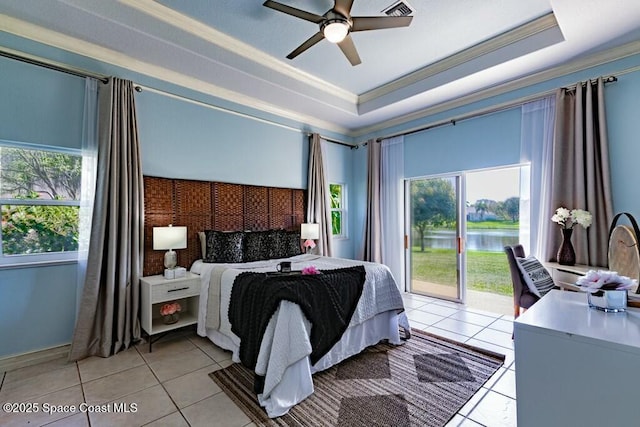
(156, 291)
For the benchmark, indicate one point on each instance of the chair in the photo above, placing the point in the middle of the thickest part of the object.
(522, 297)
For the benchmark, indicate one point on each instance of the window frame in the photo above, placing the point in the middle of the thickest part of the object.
(343, 211)
(22, 260)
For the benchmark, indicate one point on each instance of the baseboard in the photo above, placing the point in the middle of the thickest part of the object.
(12, 363)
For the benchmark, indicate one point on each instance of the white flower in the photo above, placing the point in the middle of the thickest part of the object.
(569, 218)
(581, 217)
(594, 281)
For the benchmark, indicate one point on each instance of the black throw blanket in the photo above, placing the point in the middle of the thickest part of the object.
(328, 300)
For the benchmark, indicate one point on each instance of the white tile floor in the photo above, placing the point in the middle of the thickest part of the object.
(171, 387)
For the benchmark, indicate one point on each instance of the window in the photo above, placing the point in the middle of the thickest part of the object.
(39, 203)
(338, 210)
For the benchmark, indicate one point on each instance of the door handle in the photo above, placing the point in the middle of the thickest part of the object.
(460, 245)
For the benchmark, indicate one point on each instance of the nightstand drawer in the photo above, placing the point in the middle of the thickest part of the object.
(175, 290)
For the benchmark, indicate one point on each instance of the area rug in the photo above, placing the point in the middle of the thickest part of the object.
(421, 383)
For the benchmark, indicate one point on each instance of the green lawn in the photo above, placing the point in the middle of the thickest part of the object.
(486, 271)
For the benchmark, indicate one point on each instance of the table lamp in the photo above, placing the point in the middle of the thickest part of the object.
(309, 232)
(169, 238)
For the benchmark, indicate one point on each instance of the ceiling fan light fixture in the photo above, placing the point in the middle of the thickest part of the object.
(335, 30)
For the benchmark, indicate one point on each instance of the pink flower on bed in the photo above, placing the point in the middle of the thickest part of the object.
(170, 308)
(310, 270)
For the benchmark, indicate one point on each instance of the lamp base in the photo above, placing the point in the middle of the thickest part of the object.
(170, 259)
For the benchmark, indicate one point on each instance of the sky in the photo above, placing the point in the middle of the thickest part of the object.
(495, 184)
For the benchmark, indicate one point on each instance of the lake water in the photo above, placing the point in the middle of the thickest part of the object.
(477, 240)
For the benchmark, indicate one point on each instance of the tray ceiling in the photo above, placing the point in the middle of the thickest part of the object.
(236, 49)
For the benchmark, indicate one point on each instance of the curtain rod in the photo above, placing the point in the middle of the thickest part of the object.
(491, 110)
(140, 88)
(608, 79)
(52, 65)
(334, 141)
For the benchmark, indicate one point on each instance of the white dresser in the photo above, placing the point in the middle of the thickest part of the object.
(565, 276)
(576, 366)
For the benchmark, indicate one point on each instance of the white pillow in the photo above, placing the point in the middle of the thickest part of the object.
(536, 277)
(196, 267)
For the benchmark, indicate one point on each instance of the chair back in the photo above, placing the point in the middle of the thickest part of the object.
(519, 286)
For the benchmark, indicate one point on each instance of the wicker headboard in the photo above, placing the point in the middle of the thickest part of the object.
(205, 205)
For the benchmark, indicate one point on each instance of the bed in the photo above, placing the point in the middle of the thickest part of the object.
(283, 358)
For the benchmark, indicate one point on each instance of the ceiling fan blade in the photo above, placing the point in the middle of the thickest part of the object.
(343, 7)
(307, 16)
(365, 23)
(306, 45)
(349, 49)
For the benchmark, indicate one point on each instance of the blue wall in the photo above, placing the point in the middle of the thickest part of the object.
(39, 106)
(185, 140)
(623, 121)
(38, 308)
(477, 143)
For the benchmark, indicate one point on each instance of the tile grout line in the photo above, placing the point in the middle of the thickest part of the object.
(84, 396)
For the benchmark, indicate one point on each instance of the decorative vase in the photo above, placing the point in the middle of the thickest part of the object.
(566, 254)
(170, 319)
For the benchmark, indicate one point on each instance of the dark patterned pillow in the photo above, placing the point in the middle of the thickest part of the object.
(224, 246)
(292, 243)
(536, 277)
(276, 244)
(256, 245)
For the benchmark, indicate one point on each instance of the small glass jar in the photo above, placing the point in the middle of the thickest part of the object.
(613, 301)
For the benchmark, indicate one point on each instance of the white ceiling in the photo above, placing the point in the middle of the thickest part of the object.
(236, 49)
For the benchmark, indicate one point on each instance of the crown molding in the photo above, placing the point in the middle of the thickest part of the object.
(591, 61)
(522, 32)
(62, 41)
(223, 41)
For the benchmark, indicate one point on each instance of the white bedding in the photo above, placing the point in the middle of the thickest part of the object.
(283, 357)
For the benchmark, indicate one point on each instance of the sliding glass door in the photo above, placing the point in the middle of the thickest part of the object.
(457, 227)
(435, 247)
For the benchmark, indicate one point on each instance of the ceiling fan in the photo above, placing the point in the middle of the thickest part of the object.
(337, 23)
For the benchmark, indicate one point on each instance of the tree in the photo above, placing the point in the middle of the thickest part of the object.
(433, 203)
(24, 171)
(511, 208)
(481, 208)
(39, 229)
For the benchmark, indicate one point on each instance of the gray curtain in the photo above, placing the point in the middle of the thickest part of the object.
(318, 198)
(108, 320)
(581, 178)
(373, 223)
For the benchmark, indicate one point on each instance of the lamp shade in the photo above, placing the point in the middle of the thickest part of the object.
(310, 231)
(169, 238)
(335, 30)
